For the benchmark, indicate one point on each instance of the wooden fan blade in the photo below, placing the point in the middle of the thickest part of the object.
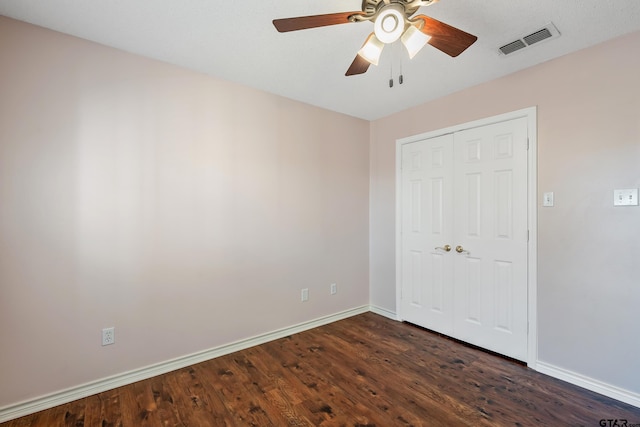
(313, 21)
(446, 38)
(358, 66)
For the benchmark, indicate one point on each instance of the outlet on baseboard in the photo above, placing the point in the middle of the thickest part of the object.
(108, 336)
(333, 289)
(304, 296)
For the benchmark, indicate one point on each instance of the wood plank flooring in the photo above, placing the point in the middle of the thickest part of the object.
(363, 371)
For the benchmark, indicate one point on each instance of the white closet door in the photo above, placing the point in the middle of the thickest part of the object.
(427, 217)
(490, 227)
(467, 190)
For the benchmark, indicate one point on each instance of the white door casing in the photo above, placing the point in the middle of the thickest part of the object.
(484, 201)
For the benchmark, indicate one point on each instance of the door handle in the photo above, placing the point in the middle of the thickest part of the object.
(462, 250)
(445, 248)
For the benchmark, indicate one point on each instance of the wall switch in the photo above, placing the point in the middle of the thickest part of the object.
(547, 199)
(627, 197)
(304, 296)
(108, 336)
(333, 289)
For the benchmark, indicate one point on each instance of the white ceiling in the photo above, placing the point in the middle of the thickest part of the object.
(235, 40)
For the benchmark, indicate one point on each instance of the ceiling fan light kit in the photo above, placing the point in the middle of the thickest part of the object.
(389, 24)
(392, 20)
(414, 40)
(372, 49)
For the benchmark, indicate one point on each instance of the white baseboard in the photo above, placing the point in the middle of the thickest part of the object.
(583, 381)
(384, 312)
(74, 393)
(69, 395)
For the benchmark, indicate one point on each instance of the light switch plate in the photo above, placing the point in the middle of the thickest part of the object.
(625, 197)
(547, 199)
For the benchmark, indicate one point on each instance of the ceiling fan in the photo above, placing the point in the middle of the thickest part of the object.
(392, 20)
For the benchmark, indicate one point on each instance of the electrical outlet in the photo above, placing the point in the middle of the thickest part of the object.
(304, 296)
(108, 336)
(333, 289)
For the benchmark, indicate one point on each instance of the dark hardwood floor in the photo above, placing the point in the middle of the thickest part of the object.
(363, 371)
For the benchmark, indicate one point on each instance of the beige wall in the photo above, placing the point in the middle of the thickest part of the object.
(185, 211)
(588, 251)
(189, 212)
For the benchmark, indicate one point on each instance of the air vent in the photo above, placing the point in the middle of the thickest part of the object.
(512, 47)
(548, 32)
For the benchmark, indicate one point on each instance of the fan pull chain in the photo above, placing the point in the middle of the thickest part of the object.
(391, 72)
(394, 55)
(401, 77)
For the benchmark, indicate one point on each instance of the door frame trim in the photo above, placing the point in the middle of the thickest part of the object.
(531, 114)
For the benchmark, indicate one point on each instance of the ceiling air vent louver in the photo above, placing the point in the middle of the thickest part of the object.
(538, 36)
(548, 32)
(512, 47)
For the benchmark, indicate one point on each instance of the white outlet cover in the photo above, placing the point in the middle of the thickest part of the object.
(108, 336)
(625, 197)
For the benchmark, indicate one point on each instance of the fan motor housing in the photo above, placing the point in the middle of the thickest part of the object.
(371, 7)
